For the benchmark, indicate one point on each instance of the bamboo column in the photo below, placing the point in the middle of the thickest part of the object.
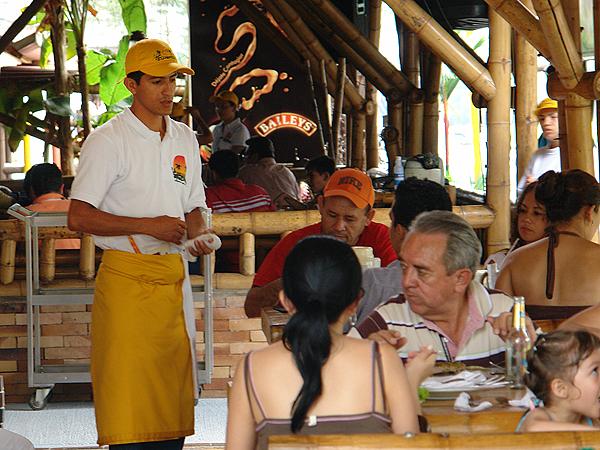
(441, 43)
(87, 258)
(7, 261)
(562, 136)
(47, 259)
(526, 99)
(431, 112)
(410, 66)
(498, 184)
(578, 110)
(597, 64)
(359, 123)
(247, 254)
(372, 137)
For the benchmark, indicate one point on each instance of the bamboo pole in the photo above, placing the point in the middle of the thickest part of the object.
(299, 44)
(431, 112)
(361, 45)
(358, 140)
(47, 260)
(498, 184)
(87, 258)
(523, 20)
(17, 26)
(396, 120)
(7, 261)
(526, 99)
(441, 43)
(562, 136)
(247, 254)
(563, 49)
(324, 100)
(372, 137)
(578, 110)
(315, 47)
(415, 128)
(338, 100)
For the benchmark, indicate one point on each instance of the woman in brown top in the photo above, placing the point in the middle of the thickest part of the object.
(316, 380)
(560, 274)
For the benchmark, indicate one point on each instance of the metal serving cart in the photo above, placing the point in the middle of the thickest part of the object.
(43, 377)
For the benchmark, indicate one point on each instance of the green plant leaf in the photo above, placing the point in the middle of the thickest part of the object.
(134, 15)
(112, 89)
(94, 62)
(59, 106)
(71, 44)
(18, 130)
(46, 50)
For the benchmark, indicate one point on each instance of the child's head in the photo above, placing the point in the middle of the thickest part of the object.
(564, 365)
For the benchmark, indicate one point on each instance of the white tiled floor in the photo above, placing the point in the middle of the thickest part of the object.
(72, 424)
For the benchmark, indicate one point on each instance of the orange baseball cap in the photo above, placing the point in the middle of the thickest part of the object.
(153, 57)
(353, 184)
(226, 96)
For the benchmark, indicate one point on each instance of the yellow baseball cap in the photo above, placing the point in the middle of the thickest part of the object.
(353, 184)
(226, 96)
(153, 57)
(547, 103)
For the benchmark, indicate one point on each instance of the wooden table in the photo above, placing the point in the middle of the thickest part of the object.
(272, 323)
(500, 418)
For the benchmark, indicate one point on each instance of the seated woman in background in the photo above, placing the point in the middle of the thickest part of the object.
(316, 380)
(559, 275)
(529, 224)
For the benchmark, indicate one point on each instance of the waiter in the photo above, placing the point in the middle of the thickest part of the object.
(139, 192)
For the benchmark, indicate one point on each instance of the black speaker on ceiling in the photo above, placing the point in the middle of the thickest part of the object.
(457, 14)
(357, 11)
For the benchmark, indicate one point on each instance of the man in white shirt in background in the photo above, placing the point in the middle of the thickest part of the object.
(548, 157)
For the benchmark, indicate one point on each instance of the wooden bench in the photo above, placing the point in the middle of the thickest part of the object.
(488, 441)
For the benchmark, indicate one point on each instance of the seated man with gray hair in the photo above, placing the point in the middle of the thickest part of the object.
(441, 306)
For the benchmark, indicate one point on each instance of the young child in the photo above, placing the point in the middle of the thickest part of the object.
(564, 374)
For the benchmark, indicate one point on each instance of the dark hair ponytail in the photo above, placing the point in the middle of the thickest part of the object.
(322, 277)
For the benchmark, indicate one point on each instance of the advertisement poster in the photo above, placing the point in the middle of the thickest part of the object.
(229, 53)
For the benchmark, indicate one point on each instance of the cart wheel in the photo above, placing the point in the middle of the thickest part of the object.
(39, 399)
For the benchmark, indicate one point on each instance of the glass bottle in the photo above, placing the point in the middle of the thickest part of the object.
(517, 345)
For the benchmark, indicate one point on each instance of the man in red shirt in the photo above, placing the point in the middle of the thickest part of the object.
(346, 208)
(229, 193)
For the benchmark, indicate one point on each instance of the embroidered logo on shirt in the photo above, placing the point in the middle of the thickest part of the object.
(179, 169)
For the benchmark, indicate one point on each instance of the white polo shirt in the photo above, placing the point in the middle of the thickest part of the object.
(127, 170)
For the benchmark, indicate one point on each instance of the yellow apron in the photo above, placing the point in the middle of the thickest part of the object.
(141, 358)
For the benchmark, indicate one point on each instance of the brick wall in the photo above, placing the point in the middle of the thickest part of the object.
(66, 340)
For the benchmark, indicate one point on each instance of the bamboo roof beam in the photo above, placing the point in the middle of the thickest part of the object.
(326, 32)
(524, 21)
(588, 87)
(563, 49)
(442, 44)
(354, 39)
(300, 46)
(314, 46)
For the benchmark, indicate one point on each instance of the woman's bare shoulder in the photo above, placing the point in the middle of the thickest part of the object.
(526, 254)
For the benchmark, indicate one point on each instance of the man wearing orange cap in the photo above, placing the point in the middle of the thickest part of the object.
(139, 192)
(346, 209)
(548, 157)
(230, 133)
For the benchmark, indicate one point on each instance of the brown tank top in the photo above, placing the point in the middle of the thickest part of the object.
(368, 422)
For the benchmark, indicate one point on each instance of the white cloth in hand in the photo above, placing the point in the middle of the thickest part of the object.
(463, 403)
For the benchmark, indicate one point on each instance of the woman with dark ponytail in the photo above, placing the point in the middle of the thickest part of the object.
(316, 380)
(560, 274)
